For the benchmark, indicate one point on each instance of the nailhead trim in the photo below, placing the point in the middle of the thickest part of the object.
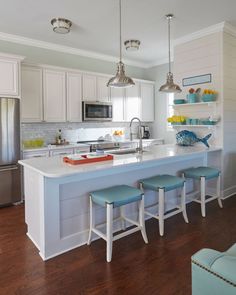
(212, 272)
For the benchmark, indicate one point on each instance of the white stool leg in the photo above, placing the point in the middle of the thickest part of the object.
(161, 208)
(219, 191)
(183, 202)
(91, 220)
(122, 215)
(141, 220)
(203, 196)
(109, 231)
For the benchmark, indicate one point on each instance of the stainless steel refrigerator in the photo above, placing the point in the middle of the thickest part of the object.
(10, 176)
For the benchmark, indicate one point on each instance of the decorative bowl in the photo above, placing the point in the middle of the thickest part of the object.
(179, 101)
(208, 97)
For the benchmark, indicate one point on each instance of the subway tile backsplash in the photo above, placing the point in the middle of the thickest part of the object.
(84, 131)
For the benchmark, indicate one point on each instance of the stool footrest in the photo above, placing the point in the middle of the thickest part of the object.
(99, 233)
(175, 211)
(207, 200)
(126, 233)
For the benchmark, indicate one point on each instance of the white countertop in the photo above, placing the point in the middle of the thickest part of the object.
(55, 167)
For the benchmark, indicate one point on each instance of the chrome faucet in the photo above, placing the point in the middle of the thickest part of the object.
(140, 147)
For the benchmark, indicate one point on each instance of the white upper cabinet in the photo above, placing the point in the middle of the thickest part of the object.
(31, 96)
(54, 95)
(74, 97)
(103, 92)
(10, 76)
(117, 98)
(147, 102)
(133, 102)
(89, 87)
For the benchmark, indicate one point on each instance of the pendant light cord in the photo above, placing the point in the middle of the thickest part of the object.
(120, 33)
(169, 18)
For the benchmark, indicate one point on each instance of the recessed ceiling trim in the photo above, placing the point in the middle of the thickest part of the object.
(65, 49)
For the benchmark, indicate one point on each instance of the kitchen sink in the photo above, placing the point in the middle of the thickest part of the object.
(124, 152)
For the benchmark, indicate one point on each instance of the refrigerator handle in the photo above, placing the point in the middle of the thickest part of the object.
(8, 168)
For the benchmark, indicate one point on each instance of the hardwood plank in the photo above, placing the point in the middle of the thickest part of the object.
(161, 267)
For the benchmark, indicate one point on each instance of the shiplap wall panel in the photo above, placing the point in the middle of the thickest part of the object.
(229, 111)
(199, 57)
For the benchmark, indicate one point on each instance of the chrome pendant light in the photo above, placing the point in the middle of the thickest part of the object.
(120, 80)
(170, 86)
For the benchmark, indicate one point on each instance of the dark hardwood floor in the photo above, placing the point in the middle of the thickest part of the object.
(161, 267)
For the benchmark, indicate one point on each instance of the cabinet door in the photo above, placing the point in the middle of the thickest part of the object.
(81, 150)
(61, 152)
(89, 87)
(117, 98)
(147, 102)
(54, 96)
(74, 97)
(31, 95)
(103, 92)
(37, 154)
(9, 77)
(133, 102)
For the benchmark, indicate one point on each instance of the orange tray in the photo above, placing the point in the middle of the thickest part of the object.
(87, 160)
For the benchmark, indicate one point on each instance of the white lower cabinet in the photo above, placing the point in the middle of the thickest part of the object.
(54, 95)
(35, 154)
(81, 150)
(74, 97)
(61, 152)
(31, 94)
(55, 152)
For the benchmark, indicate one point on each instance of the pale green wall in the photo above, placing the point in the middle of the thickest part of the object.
(45, 56)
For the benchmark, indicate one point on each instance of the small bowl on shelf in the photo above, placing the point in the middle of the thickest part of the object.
(179, 101)
(208, 122)
(208, 97)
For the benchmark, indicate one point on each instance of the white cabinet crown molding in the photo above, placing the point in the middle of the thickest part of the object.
(11, 56)
(73, 70)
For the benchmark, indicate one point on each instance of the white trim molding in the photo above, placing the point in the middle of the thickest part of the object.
(220, 27)
(66, 49)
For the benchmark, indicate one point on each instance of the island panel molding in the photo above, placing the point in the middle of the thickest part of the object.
(57, 195)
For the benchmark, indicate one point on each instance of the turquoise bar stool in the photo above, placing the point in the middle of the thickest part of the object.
(163, 184)
(116, 196)
(203, 174)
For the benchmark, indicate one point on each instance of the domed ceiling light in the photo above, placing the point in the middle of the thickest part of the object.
(170, 86)
(120, 80)
(61, 25)
(132, 45)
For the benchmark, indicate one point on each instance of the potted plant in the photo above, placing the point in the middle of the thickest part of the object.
(209, 95)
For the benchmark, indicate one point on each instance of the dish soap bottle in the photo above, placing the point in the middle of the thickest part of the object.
(58, 137)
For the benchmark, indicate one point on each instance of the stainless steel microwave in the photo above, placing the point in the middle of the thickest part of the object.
(97, 111)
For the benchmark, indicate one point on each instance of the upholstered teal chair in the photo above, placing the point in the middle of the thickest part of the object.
(213, 272)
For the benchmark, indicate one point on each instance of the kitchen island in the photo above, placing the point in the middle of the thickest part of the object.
(56, 193)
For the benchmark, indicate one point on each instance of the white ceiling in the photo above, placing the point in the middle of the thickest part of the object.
(95, 22)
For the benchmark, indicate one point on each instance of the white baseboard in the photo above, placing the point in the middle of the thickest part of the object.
(227, 193)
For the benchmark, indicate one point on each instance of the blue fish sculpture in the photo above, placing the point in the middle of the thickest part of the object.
(188, 138)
